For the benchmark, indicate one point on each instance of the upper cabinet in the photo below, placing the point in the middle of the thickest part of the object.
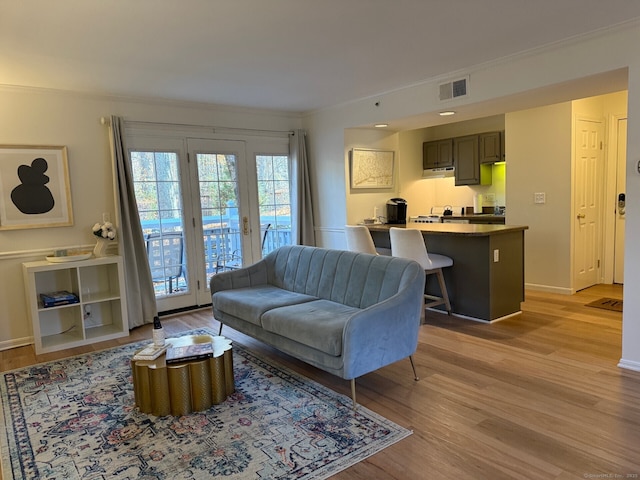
(471, 155)
(437, 154)
(490, 147)
(466, 158)
(465, 155)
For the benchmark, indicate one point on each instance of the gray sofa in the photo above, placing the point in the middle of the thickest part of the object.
(344, 312)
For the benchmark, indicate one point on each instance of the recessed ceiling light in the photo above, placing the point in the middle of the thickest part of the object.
(447, 113)
(381, 125)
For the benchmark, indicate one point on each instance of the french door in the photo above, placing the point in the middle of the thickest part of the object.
(220, 177)
(202, 210)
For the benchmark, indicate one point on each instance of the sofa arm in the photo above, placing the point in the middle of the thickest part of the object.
(385, 332)
(255, 274)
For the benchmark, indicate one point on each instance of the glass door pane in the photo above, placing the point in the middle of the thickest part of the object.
(158, 196)
(220, 218)
(274, 198)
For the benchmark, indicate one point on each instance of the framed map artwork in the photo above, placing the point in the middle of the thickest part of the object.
(34, 187)
(371, 168)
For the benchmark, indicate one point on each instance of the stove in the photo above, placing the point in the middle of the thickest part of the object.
(426, 219)
(436, 214)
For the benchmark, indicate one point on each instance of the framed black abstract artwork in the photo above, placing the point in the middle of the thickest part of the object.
(34, 187)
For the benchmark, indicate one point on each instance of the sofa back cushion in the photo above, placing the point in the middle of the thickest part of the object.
(355, 279)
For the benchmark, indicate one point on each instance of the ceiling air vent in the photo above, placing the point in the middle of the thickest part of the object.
(454, 89)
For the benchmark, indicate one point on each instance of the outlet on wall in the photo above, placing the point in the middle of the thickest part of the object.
(496, 255)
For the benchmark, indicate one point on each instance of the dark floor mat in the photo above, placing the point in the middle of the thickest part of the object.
(606, 303)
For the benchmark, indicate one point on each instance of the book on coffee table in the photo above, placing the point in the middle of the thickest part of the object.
(150, 352)
(197, 351)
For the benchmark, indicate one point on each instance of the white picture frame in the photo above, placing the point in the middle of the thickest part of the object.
(34, 187)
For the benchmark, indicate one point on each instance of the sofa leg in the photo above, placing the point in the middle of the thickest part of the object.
(353, 393)
(415, 375)
(220, 331)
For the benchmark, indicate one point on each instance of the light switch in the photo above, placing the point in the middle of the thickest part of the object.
(540, 197)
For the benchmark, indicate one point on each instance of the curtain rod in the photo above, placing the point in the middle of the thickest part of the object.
(212, 129)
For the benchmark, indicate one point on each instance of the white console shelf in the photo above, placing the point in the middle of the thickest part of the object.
(101, 313)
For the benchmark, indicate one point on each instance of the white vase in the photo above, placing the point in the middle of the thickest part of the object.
(100, 250)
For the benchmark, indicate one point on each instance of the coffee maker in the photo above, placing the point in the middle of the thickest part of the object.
(397, 211)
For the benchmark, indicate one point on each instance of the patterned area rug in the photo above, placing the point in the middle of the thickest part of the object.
(75, 419)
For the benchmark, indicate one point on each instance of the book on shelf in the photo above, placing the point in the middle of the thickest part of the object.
(197, 351)
(62, 297)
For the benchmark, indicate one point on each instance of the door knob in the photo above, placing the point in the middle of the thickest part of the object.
(581, 216)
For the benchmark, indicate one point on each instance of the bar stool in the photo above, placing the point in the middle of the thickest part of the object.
(359, 239)
(409, 243)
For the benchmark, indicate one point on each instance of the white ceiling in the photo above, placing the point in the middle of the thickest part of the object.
(293, 55)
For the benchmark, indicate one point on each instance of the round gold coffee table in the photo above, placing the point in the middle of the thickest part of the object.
(188, 386)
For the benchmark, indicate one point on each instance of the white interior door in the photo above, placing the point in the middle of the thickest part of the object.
(621, 157)
(588, 167)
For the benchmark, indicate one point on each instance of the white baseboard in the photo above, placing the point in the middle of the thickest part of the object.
(549, 288)
(16, 342)
(629, 365)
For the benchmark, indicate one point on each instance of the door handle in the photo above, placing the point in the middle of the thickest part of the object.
(245, 226)
(581, 216)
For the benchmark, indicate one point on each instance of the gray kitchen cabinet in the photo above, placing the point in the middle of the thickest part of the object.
(490, 147)
(437, 154)
(466, 159)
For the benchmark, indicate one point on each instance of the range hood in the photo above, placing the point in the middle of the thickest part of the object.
(438, 172)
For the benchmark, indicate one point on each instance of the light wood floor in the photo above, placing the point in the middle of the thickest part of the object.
(537, 396)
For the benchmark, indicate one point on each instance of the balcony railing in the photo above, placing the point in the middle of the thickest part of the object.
(222, 240)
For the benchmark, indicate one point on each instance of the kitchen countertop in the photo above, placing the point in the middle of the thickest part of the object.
(470, 229)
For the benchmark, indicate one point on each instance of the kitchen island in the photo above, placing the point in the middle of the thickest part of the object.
(486, 281)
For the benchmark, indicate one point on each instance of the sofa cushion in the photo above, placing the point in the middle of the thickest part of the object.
(251, 302)
(318, 324)
(351, 278)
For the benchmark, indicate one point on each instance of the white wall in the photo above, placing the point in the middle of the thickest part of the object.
(360, 203)
(631, 314)
(539, 146)
(41, 117)
(495, 82)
